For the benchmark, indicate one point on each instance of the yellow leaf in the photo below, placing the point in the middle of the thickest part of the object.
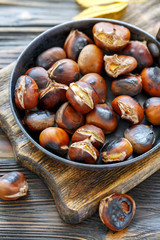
(97, 11)
(90, 3)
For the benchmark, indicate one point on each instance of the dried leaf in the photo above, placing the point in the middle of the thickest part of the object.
(90, 3)
(97, 11)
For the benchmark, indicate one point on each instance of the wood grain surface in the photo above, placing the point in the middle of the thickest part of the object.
(36, 217)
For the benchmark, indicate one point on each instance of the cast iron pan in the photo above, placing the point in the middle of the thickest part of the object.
(56, 37)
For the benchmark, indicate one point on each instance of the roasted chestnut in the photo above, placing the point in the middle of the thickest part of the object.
(40, 76)
(84, 152)
(103, 117)
(39, 120)
(68, 118)
(141, 137)
(116, 65)
(117, 210)
(75, 42)
(151, 81)
(98, 83)
(95, 135)
(50, 56)
(64, 71)
(26, 93)
(90, 60)
(55, 140)
(128, 108)
(116, 150)
(127, 85)
(13, 185)
(82, 96)
(140, 52)
(152, 110)
(110, 37)
(53, 95)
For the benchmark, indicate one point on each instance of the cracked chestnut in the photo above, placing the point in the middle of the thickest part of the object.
(152, 110)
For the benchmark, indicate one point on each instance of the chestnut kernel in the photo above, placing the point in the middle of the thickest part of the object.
(103, 117)
(128, 108)
(117, 210)
(116, 150)
(152, 110)
(141, 137)
(13, 185)
(95, 135)
(116, 65)
(68, 118)
(26, 93)
(55, 140)
(75, 42)
(64, 71)
(110, 37)
(84, 152)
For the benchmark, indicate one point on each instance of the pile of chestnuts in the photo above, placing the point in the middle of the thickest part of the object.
(64, 96)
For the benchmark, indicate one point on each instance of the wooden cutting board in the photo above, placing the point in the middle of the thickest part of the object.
(76, 192)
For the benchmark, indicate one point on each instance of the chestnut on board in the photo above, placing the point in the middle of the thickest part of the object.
(152, 110)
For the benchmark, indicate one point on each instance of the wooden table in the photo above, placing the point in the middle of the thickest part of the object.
(36, 217)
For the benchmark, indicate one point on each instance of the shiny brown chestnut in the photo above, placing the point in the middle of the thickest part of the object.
(40, 76)
(90, 59)
(13, 185)
(117, 210)
(39, 120)
(64, 71)
(141, 137)
(128, 108)
(53, 95)
(127, 85)
(75, 42)
(55, 140)
(152, 110)
(116, 65)
(110, 37)
(82, 96)
(103, 117)
(151, 81)
(98, 83)
(83, 152)
(116, 150)
(140, 52)
(68, 118)
(95, 135)
(26, 93)
(50, 56)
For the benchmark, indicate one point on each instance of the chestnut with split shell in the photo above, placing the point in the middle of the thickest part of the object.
(152, 110)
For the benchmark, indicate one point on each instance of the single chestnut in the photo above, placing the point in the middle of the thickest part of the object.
(103, 117)
(64, 71)
(128, 108)
(110, 37)
(141, 137)
(95, 135)
(55, 140)
(152, 110)
(40, 76)
(82, 96)
(39, 120)
(98, 83)
(13, 185)
(83, 152)
(74, 43)
(50, 56)
(116, 150)
(116, 65)
(68, 118)
(127, 85)
(151, 81)
(53, 95)
(26, 93)
(140, 52)
(90, 59)
(117, 210)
